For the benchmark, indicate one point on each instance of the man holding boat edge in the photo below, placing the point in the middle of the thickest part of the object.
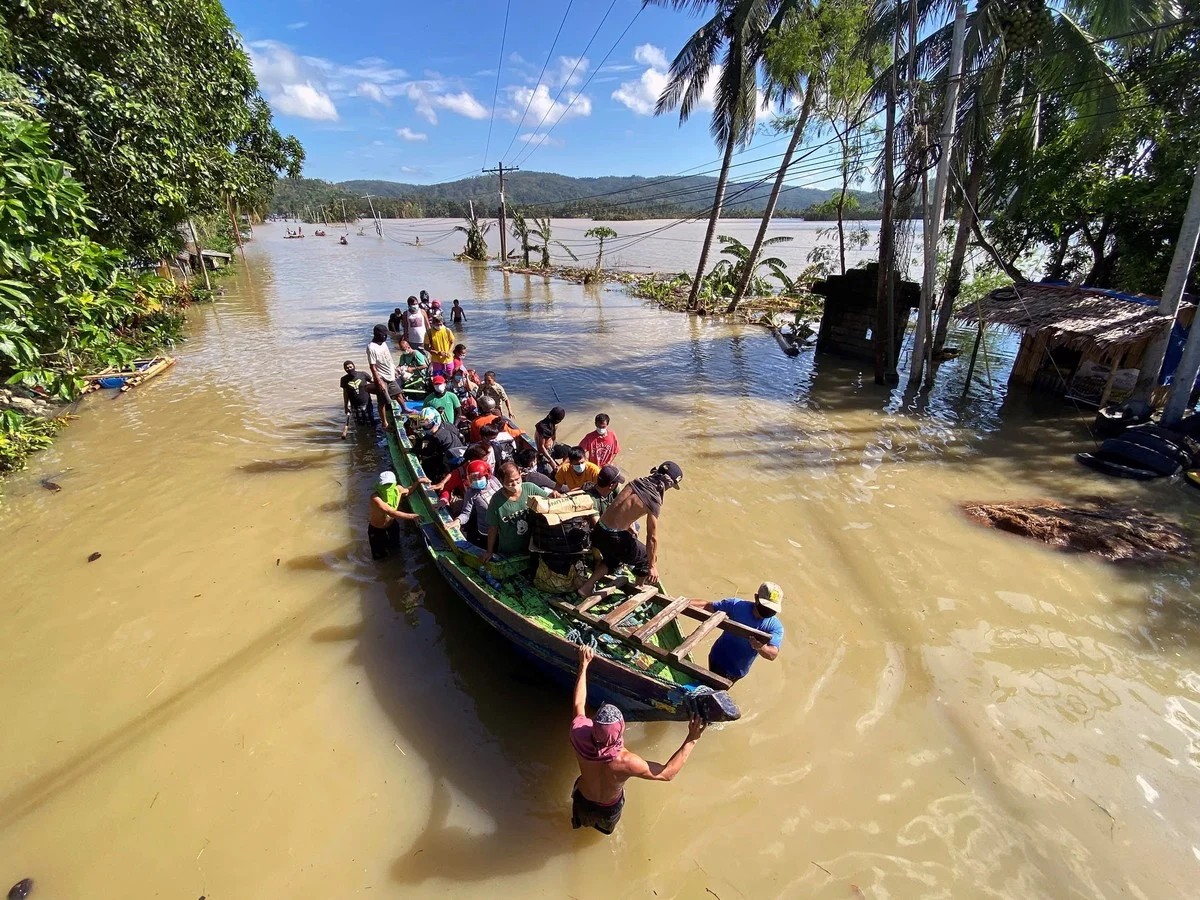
(732, 655)
(614, 539)
(598, 797)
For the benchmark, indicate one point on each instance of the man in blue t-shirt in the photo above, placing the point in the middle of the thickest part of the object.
(732, 654)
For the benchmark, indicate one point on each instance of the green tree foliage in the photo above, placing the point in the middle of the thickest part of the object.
(545, 236)
(600, 233)
(725, 277)
(520, 230)
(67, 303)
(476, 247)
(153, 105)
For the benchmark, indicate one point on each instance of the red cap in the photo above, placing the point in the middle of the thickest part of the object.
(478, 467)
(438, 379)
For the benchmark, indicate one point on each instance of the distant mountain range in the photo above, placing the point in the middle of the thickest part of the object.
(546, 193)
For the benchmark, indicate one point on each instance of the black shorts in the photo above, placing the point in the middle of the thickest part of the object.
(586, 813)
(383, 540)
(621, 548)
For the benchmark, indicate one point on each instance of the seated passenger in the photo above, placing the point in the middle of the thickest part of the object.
(508, 513)
(502, 442)
(526, 459)
(481, 487)
(445, 402)
(451, 488)
(577, 473)
(412, 359)
(604, 491)
(438, 443)
(487, 415)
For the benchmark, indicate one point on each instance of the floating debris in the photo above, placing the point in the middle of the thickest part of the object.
(21, 889)
(1095, 525)
(95, 556)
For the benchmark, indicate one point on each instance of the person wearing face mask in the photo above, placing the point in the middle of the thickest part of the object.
(438, 444)
(383, 372)
(601, 446)
(604, 492)
(613, 537)
(416, 324)
(508, 513)
(395, 322)
(481, 487)
(577, 473)
(444, 401)
(441, 345)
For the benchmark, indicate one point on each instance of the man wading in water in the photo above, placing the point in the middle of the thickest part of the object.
(614, 537)
(598, 797)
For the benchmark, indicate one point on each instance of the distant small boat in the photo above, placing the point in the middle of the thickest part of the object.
(319, 233)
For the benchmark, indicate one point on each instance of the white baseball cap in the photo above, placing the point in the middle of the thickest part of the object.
(387, 477)
(769, 596)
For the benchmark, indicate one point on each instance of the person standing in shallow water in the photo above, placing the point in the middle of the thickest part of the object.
(598, 797)
(384, 515)
(732, 655)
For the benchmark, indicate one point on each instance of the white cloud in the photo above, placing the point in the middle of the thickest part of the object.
(544, 108)
(409, 135)
(372, 91)
(649, 55)
(296, 26)
(569, 72)
(538, 139)
(429, 96)
(293, 85)
(463, 104)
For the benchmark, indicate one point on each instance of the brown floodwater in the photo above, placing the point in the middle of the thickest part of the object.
(234, 701)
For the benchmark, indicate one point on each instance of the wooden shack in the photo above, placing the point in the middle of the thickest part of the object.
(848, 320)
(1085, 344)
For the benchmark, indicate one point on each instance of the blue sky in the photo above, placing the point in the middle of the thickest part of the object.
(404, 91)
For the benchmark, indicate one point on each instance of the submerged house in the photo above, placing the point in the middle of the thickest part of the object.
(1082, 343)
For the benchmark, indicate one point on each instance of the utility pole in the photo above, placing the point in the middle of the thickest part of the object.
(923, 346)
(885, 352)
(374, 215)
(499, 170)
(1181, 264)
(1168, 305)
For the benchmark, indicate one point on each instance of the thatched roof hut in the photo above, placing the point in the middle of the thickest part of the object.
(1080, 341)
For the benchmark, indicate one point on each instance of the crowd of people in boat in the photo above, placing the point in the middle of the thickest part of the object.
(486, 470)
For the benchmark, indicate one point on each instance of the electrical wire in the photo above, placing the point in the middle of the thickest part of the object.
(496, 93)
(541, 75)
(571, 74)
(534, 147)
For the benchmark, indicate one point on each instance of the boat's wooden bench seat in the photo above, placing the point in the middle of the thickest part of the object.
(671, 608)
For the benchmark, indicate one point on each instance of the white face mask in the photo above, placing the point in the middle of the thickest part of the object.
(439, 389)
(602, 431)
(578, 468)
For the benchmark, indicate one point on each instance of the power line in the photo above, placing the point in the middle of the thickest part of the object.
(621, 37)
(496, 93)
(538, 84)
(567, 80)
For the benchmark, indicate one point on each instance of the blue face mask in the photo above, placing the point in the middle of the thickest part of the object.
(479, 484)
(577, 468)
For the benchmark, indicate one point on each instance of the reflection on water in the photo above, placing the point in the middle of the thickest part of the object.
(234, 700)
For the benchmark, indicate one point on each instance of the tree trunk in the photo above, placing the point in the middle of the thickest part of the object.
(718, 199)
(841, 225)
(885, 357)
(962, 237)
(1006, 265)
(797, 136)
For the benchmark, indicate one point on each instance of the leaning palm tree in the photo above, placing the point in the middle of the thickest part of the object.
(734, 39)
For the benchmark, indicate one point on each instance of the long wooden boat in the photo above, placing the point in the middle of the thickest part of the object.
(642, 663)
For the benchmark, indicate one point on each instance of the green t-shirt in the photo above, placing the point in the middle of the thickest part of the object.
(414, 359)
(447, 405)
(512, 518)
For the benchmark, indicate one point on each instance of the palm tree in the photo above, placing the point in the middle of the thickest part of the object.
(520, 230)
(544, 234)
(476, 247)
(738, 27)
(600, 233)
(739, 270)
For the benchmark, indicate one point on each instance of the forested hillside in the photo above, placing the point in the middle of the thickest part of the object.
(607, 197)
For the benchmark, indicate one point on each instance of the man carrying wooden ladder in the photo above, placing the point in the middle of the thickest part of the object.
(733, 653)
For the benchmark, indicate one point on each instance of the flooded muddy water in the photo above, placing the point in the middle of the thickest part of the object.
(234, 701)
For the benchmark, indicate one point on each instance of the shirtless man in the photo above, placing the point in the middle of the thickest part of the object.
(598, 797)
(614, 537)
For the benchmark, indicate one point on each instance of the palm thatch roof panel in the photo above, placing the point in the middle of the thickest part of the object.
(1073, 316)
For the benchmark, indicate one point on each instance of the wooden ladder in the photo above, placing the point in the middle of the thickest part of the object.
(640, 637)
